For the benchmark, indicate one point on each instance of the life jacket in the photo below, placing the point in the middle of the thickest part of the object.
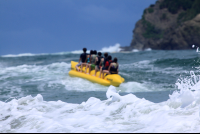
(88, 58)
(107, 64)
(101, 65)
(104, 62)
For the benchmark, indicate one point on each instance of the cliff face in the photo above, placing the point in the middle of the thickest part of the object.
(162, 28)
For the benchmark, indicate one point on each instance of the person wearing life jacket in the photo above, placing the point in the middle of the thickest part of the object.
(82, 59)
(102, 63)
(87, 61)
(97, 63)
(107, 65)
(92, 61)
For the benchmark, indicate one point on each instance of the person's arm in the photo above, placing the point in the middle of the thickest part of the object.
(117, 68)
(79, 60)
(96, 59)
(85, 59)
(102, 59)
(90, 59)
(88, 56)
(109, 67)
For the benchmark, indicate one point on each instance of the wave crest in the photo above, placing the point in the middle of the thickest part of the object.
(111, 49)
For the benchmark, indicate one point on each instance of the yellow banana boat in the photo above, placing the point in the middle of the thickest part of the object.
(111, 79)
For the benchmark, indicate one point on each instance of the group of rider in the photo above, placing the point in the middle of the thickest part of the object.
(94, 61)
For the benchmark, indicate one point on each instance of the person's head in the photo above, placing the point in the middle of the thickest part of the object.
(91, 52)
(109, 57)
(115, 60)
(84, 50)
(106, 55)
(95, 52)
(99, 53)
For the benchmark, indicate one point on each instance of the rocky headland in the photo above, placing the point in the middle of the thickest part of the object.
(168, 25)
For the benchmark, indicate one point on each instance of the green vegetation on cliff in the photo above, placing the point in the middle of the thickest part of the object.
(191, 8)
(151, 31)
(168, 25)
(188, 10)
(174, 5)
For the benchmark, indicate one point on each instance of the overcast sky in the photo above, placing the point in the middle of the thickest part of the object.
(50, 26)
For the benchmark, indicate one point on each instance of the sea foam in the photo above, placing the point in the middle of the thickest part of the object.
(116, 114)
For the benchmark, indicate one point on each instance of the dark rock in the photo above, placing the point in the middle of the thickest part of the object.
(162, 29)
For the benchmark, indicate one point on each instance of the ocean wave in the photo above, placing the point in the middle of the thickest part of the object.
(111, 49)
(19, 55)
(153, 66)
(31, 54)
(117, 113)
(188, 94)
(148, 49)
(18, 80)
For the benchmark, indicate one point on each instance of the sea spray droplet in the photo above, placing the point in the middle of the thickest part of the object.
(197, 49)
(193, 76)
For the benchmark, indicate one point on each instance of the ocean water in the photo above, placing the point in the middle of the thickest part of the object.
(161, 93)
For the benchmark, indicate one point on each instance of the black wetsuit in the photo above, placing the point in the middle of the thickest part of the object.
(113, 69)
(98, 62)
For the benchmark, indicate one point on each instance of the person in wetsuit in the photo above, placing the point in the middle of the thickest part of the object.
(113, 68)
(82, 59)
(92, 61)
(102, 63)
(107, 65)
(87, 61)
(97, 63)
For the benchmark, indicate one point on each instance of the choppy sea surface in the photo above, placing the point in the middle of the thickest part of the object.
(161, 93)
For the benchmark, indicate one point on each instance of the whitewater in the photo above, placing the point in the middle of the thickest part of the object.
(161, 94)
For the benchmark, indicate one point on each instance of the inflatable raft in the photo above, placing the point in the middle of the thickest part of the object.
(111, 79)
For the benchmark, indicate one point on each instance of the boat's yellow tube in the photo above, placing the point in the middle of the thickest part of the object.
(112, 79)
